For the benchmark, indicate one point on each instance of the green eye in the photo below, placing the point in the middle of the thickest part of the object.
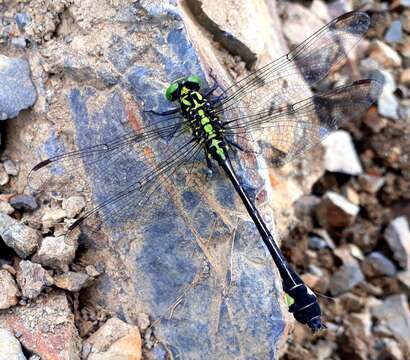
(194, 79)
(169, 94)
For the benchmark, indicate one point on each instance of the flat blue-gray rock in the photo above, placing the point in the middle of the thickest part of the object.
(17, 91)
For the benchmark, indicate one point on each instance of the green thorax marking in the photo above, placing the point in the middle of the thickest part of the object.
(192, 102)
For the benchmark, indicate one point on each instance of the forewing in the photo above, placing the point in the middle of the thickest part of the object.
(49, 174)
(132, 166)
(285, 78)
(123, 208)
(286, 132)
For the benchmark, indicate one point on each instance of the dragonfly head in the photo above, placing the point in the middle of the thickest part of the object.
(192, 82)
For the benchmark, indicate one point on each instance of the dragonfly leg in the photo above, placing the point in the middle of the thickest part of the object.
(236, 145)
(210, 169)
(214, 86)
(162, 113)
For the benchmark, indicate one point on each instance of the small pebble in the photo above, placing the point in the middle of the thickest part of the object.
(91, 271)
(335, 211)
(376, 264)
(22, 20)
(374, 121)
(56, 253)
(350, 194)
(394, 33)
(405, 77)
(52, 216)
(143, 321)
(73, 206)
(4, 177)
(9, 292)
(19, 42)
(10, 269)
(397, 235)
(394, 313)
(405, 20)
(340, 154)
(345, 278)
(103, 343)
(404, 278)
(404, 50)
(32, 279)
(391, 350)
(387, 103)
(317, 243)
(17, 91)
(10, 168)
(21, 238)
(73, 281)
(6, 208)
(24, 202)
(10, 348)
(385, 55)
(371, 184)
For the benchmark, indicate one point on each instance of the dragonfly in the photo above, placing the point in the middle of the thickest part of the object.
(247, 117)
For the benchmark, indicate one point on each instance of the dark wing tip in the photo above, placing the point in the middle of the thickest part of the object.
(363, 16)
(375, 86)
(30, 176)
(40, 165)
(357, 21)
(76, 223)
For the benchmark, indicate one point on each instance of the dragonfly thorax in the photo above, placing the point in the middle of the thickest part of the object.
(205, 125)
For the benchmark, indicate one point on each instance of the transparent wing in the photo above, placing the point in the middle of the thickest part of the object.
(47, 173)
(290, 130)
(285, 78)
(126, 205)
(126, 171)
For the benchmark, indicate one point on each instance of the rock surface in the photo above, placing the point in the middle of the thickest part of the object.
(45, 327)
(371, 184)
(4, 177)
(17, 91)
(53, 216)
(114, 340)
(24, 202)
(395, 314)
(6, 208)
(397, 235)
(21, 238)
(387, 103)
(385, 55)
(335, 211)
(9, 291)
(10, 167)
(345, 278)
(32, 279)
(376, 264)
(56, 252)
(340, 154)
(10, 348)
(395, 32)
(73, 206)
(72, 281)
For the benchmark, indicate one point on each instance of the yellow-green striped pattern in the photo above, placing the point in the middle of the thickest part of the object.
(205, 122)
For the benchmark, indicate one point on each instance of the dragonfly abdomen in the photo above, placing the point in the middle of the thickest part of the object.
(206, 127)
